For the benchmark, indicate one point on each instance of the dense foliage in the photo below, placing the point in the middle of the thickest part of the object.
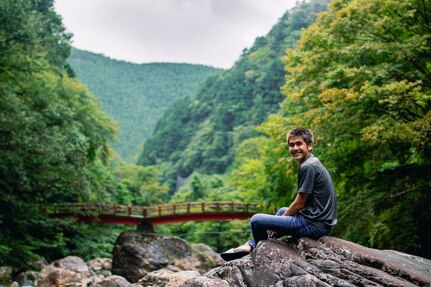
(136, 95)
(51, 130)
(201, 133)
(54, 144)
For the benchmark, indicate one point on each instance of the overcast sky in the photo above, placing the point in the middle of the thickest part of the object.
(209, 32)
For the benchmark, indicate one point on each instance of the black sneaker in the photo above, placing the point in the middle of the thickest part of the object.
(233, 253)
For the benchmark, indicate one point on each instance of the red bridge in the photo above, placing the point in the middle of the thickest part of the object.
(157, 214)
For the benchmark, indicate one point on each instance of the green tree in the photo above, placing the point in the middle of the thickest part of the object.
(140, 185)
(220, 235)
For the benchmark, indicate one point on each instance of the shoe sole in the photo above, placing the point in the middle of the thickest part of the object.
(233, 255)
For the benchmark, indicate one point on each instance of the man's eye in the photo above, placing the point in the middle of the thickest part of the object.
(294, 144)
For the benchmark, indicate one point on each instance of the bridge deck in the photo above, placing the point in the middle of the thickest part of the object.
(158, 214)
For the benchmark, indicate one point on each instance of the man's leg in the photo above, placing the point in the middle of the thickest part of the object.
(281, 211)
(282, 225)
(252, 241)
(245, 249)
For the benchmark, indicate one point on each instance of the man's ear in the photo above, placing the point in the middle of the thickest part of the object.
(310, 147)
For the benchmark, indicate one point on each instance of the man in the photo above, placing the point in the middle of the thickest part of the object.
(312, 213)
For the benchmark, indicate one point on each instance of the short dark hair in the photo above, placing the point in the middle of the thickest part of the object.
(306, 134)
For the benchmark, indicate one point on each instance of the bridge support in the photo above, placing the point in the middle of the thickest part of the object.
(145, 227)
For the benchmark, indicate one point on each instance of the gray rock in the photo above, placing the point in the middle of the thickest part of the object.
(327, 262)
(28, 278)
(202, 281)
(178, 278)
(394, 265)
(69, 271)
(101, 267)
(74, 264)
(114, 281)
(207, 256)
(136, 255)
(167, 278)
(52, 277)
(158, 278)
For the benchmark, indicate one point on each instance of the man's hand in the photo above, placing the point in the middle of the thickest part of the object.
(294, 208)
(272, 234)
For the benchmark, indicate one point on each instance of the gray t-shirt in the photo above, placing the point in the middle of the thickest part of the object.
(321, 205)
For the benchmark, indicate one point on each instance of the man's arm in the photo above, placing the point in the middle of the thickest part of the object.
(297, 204)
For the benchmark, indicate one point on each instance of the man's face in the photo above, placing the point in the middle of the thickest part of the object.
(299, 149)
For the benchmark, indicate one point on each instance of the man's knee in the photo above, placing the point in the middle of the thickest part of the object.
(256, 219)
(281, 211)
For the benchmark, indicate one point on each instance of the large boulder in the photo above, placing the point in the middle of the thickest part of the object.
(74, 264)
(73, 271)
(136, 255)
(69, 271)
(327, 262)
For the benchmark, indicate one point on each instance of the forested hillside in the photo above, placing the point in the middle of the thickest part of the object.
(136, 95)
(201, 133)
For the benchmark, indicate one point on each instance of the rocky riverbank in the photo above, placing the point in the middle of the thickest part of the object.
(139, 260)
(144, 260)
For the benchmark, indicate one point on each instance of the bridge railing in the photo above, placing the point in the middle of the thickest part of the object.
(154, 211)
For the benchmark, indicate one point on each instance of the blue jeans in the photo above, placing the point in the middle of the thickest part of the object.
(296, 226)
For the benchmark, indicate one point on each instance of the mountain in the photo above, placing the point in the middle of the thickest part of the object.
(202, 133)
(136, 95)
